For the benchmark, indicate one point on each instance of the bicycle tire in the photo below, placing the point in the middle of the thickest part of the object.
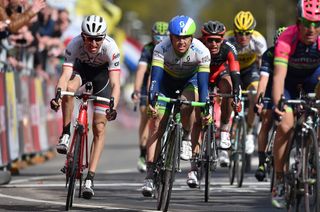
(311, 173)
(73, 175)
(208, 160)
(233, 154)
(170, 168)
(240, 162)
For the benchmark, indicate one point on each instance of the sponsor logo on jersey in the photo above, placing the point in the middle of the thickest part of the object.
(115, 56)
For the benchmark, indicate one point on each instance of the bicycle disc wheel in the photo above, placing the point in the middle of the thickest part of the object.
(240, 163)
(73, 171)
(170, 168)
(208, 160)
(312, 174)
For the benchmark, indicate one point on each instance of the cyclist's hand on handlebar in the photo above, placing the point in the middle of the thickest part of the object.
(237, 106)
(278, 114)
(135, 96)
(54, 104)
(152, 111)
(111, 114)
(258, 108)
(206, 119)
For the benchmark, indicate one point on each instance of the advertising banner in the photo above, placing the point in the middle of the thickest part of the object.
(4, 159)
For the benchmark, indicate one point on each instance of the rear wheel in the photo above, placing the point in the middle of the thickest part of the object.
(72, 172)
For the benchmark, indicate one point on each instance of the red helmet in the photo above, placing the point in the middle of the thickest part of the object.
(309, 9)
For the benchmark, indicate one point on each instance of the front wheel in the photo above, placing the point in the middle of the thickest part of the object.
(240, 163)
(72, 171)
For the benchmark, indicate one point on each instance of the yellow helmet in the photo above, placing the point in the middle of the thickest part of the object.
(244, 21)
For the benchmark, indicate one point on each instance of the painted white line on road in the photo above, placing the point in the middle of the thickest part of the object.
(63, 203)
(39, 185)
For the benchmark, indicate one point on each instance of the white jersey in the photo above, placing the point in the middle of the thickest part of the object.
(196, 59)
(107, 55)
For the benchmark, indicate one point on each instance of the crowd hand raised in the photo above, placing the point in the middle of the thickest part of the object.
(111, 114)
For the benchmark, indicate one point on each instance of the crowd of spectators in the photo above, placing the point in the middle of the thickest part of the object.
(36, 29)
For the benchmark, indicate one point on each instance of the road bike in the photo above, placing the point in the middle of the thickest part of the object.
(208, 158)
(302, 177)
(168, 161)
(238, 134)
(77, 155)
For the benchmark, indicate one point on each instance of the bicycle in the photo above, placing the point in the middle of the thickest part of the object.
(238, 134)
(302, 177)
(209, 155)
(76, 161)
(168, 161)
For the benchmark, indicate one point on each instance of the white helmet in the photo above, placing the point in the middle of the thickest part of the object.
(94, 26)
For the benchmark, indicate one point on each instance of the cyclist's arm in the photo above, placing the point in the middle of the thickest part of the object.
(114, 76)
(263, 81)
(156, 77)
(234, 68)
(67, 70)
(141, 70)
(203, 79)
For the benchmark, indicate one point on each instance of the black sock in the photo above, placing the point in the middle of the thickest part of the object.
(66, 129)
(262, 158)
(143, 151)
(90, 175)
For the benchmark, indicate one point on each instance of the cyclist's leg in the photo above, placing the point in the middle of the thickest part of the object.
(143, 131)
(266, 124)
(67, 106)
(280, 149)
(250, 80)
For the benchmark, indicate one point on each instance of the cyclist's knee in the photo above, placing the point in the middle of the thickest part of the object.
(98, 126)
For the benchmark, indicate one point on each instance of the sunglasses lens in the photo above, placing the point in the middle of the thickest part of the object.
(96, 39)
(216, 40)
(308, 23)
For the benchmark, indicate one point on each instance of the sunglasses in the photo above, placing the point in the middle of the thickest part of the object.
(91, 39)
(306, 23)
(246, 33)
(216, 40)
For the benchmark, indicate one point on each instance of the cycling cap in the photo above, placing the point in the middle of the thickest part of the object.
(94, 26)
(160, 28)
(309, 9)
(244, 21)
(182, 25)
(278, 33)
(213, 28)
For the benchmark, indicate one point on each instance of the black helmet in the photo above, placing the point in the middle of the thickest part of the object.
(213, 28)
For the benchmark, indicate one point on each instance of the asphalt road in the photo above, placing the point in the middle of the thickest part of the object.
(118, 184)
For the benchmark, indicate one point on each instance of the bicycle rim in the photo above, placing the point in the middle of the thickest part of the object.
(170, 168)
(73, 173)
(312, 174)
(208, 161)
(240, 164)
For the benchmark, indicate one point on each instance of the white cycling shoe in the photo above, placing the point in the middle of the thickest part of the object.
(63, 145)
(186, 150)
(249, 144)
(225, 142)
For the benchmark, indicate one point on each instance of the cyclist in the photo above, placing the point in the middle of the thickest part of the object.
(265, 110)
(224, 73)
(296, 62)
(250, 45)
(179, 62)
(91, 56)
(159, 32)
